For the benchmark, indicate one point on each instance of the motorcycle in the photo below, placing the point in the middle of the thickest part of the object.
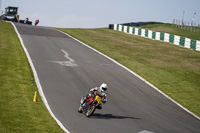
(89, 105)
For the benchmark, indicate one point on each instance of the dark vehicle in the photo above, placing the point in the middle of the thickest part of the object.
(11, 14)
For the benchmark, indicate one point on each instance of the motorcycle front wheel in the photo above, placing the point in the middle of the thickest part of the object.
(90, 111)
(80, 109)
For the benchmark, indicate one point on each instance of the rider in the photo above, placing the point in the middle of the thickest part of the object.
(26, 20)
(100, 91)
(36, 22)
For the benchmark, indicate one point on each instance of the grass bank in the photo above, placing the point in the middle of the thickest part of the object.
(168, 28)
(18, 112)
(174, 70)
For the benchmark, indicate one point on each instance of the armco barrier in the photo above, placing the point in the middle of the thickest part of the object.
(198, 46)
(149, 34)
(166, 37)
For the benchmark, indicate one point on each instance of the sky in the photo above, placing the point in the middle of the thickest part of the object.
(101, 13)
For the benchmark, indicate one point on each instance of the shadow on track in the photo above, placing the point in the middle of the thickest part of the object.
(110, 116)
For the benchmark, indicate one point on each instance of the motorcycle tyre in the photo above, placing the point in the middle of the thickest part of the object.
(89, 113)
(80, 109)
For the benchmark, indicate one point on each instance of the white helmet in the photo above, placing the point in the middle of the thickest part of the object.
(103, 87)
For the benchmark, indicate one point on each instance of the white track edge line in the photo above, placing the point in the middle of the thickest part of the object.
(135, 75)
(38, 81)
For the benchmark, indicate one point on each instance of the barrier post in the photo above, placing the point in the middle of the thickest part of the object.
(35, 97)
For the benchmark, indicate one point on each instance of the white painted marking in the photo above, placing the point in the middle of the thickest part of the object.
(145, 131)
(67, 55)
(38, 81)
(70, 63)
(135, 75)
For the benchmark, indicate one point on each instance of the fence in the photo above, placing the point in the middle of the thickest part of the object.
(190, 26)
(166, 37)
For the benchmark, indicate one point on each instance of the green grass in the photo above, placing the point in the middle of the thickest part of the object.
(18, 112)
(168, 28)
(173, 69)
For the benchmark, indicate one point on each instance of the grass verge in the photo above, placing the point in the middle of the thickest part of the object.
(174, 70)
(168, 28)
(18, 112)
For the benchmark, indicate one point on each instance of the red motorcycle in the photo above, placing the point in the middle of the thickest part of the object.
(90, 104)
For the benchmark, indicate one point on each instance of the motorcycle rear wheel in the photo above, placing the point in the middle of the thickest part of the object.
(90, 111)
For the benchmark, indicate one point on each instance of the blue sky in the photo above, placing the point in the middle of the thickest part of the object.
(100, 13)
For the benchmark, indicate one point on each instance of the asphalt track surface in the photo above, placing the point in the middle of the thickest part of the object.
(67, 70)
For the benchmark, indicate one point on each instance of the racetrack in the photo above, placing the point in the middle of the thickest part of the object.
(67, 70)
